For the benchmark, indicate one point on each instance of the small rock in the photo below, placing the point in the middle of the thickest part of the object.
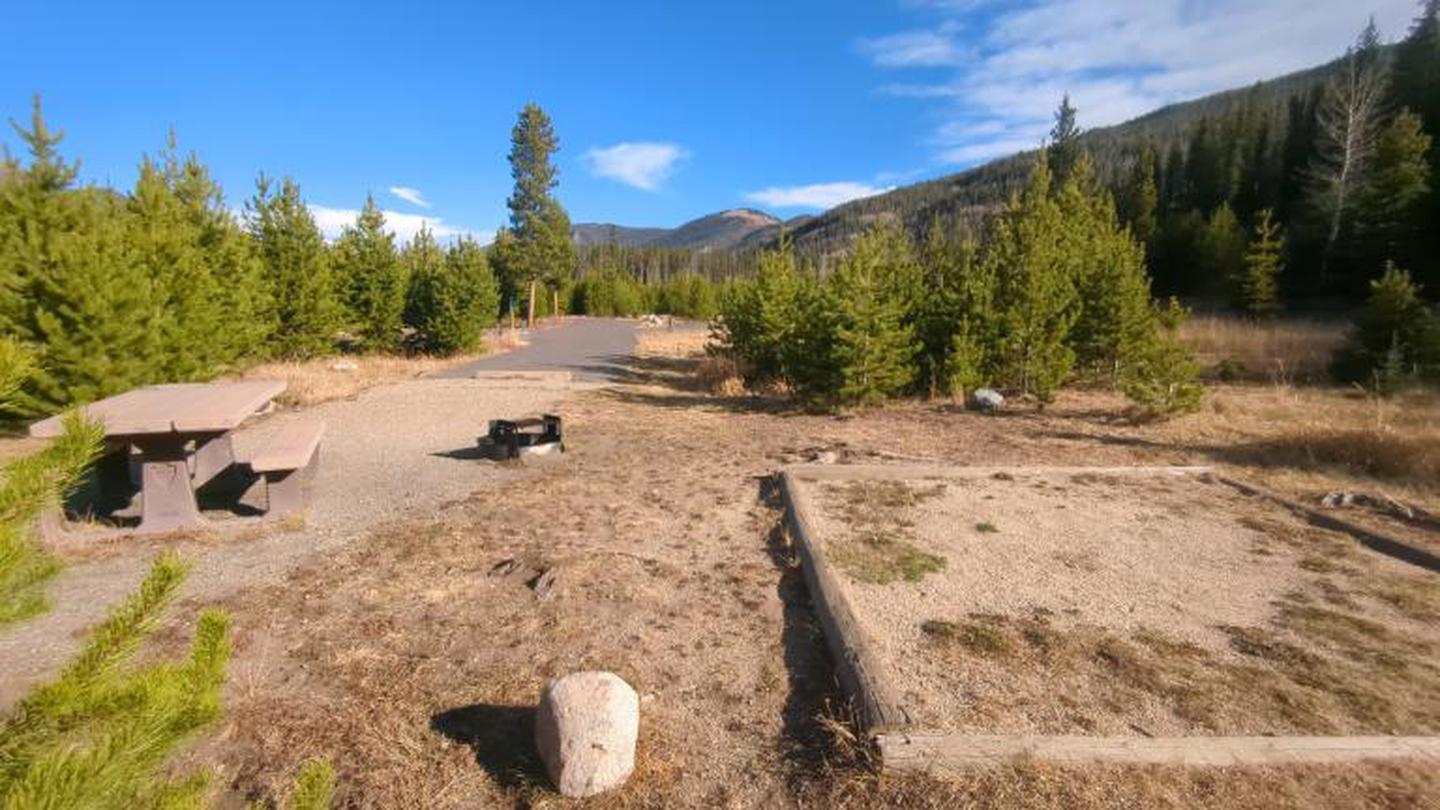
(985, 400)
(826, 457)
(542, 584)
(344, 364)
(585, 730)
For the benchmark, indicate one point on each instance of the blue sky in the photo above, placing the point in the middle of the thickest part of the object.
(665, 110)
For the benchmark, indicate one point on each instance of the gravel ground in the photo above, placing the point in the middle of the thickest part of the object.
(1036, 563)
(393, 453)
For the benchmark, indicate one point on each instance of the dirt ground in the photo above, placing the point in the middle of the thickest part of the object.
(391, 453)
(413, 655)
(1129, 604)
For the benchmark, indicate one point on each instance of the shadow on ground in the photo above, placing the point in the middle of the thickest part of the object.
(815, 705)
(502, 738)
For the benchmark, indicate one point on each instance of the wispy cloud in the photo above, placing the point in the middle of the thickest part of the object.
(332, 221)
(1007, 68)
(644, 165)
(410, 195)
(819, 196)
(916, 48)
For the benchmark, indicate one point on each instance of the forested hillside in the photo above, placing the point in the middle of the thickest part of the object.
(722, 230)
(1342, 155)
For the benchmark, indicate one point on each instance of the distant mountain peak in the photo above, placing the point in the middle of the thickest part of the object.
(719, 231)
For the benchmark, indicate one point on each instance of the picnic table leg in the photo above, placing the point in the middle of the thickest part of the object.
(166, 496)
(214, 454)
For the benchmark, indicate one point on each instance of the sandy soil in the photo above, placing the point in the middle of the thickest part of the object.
(1053, 582)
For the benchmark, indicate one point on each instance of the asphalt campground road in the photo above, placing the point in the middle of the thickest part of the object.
(592, 350)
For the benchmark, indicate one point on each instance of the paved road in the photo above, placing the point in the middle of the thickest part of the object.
(592, 350)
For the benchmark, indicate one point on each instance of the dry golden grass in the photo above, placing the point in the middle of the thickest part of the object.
(681, 343)
(309, 382)
(1281, 351)
(1394, 442)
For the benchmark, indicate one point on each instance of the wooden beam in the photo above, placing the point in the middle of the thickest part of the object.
(851, 472)
(962, 752)
(859, 666)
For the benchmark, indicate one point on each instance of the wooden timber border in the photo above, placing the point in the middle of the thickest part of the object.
(904, 745)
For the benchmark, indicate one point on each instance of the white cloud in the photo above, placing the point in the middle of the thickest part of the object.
(1116, 58)
(410, 195)
(332, 221)
(643, 165)
(914, 49)
(819, 196)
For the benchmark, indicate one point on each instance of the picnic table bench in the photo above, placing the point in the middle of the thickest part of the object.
(181, 436)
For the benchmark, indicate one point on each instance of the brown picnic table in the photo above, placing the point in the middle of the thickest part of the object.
(181, 434)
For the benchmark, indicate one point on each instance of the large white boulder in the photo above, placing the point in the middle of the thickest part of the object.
(585, 729)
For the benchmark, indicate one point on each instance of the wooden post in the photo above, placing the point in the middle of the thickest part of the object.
(530, 314)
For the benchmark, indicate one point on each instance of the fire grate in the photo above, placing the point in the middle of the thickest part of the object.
(517, 438)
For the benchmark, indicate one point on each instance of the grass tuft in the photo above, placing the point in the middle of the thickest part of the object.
(883, 557)
(315, 787)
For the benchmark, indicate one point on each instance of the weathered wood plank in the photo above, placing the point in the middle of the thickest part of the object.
(859, 666)
(849, 472)
(960, 752)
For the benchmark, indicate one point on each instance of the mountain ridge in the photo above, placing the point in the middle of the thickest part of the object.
(722, 230)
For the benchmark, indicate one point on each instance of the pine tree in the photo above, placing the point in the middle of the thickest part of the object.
(935, 309)
(1222, 253)
(1175, 189)
(208, 286)
(873, 349)
(1417, 86)
(1141, 200)
(77, 293)
(543, 249)
(1390, 210)
(1264, 262)
(1396, 335)
(372, 278)
(1114, 324)
(474, 296)
(238, 273)
(306, 310)
(1034, 300)
(424, 262)
(1163, 379)
(1065, 147)
(1417, 66)
(759, 321)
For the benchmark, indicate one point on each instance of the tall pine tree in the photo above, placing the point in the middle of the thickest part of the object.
(872, 349)
(543, 251)
(1065, 145)
(78, 295)
(1034, 300)
(305, 311)
(372, 278)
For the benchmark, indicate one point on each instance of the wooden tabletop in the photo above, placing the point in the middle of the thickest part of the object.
(174, 408)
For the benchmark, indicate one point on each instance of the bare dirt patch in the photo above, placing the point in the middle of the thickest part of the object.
(1134, 605)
